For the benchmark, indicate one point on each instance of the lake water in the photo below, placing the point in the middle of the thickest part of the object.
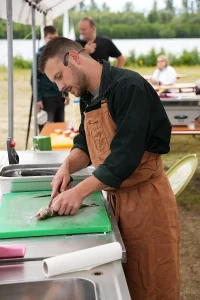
(175, 46)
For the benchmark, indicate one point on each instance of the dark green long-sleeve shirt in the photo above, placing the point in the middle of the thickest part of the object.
(141, 121)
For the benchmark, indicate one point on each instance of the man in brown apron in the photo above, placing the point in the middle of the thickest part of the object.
(124, 131)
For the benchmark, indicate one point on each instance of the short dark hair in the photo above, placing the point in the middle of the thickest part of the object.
(59, 46)
(90, 20)
(49, 30)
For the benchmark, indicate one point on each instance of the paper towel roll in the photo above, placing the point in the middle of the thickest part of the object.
(82, 260)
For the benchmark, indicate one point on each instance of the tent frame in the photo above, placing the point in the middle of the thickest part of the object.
(35, 7)
(10, 67)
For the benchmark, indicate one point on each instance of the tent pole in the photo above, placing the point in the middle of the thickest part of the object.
(34, 71)
(10, 67)
(45, 20)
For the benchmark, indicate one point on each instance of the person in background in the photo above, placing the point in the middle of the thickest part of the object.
(164, 74)
(99, 47)
(50, 99)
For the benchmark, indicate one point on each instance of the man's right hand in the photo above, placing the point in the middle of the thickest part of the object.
(39, 106)
(75, 161)
(90, 48)
(61, 180)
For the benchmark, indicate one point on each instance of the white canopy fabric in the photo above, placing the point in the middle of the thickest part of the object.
(51, 8)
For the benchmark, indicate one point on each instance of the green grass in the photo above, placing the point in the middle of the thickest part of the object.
(190, 198)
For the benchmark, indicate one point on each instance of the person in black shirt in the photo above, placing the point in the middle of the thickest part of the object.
(50, 99)
(124, 131)
(99, 47)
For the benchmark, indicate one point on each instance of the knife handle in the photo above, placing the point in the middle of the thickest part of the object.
(71, 180)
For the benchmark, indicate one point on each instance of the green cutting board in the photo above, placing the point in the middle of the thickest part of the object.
(17, 217)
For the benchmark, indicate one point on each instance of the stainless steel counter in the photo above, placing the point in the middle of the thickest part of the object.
(182, 110)
(110, 278)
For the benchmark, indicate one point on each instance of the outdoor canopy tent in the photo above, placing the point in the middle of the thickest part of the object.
(22, 10)
(32, 12)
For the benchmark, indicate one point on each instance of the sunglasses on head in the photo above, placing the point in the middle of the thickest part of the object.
(65, 62)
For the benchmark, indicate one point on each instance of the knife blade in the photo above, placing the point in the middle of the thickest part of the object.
(49, 195)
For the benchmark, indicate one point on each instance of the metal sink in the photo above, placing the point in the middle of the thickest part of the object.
(27, 183)
(62, 289)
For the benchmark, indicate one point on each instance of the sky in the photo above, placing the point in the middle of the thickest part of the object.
(139, 5)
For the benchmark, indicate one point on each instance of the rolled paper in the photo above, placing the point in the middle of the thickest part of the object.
(82, 260)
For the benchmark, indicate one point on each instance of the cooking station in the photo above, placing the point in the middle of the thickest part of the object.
(182, 109)
(23, 278)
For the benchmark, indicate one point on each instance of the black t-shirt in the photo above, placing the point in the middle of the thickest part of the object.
(104, 48)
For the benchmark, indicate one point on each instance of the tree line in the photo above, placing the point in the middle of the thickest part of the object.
(128, 24)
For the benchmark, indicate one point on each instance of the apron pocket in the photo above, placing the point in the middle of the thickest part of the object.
(99, 136)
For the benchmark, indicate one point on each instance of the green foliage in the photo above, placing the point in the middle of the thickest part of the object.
(20, 31)
(169, 5)
(105, 7)
(187, 58)
(20, 63)
(131, 24)
(190, 58)
(198, 5)
(127, 24)
(58, 23)
(185, 5)
(167, 32)
(3, 29)
(131, 59)
(165, 16)
(153, 16)
(128, 6)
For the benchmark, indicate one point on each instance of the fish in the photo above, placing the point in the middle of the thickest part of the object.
(48, 212)
(45, 213)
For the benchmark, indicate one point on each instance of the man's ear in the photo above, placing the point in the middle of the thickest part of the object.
(74, 57)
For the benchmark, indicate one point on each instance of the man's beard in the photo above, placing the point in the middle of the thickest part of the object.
(80, 78)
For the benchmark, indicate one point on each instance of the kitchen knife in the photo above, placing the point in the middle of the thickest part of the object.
(49, 195)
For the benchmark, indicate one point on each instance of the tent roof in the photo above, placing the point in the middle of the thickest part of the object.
(50, 8)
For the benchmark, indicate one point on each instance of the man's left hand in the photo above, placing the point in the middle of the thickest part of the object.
(68, 202)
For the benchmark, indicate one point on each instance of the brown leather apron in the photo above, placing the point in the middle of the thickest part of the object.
(146, 211)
